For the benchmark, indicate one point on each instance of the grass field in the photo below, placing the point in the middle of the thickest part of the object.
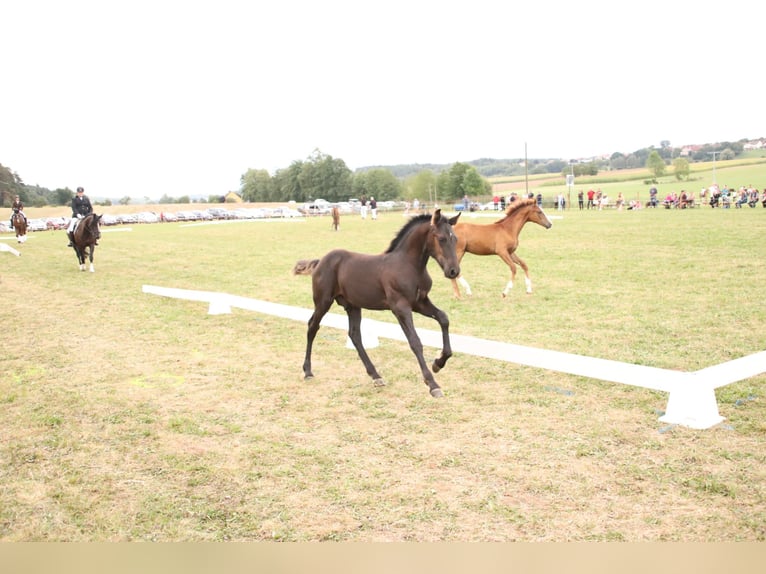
(128, 416)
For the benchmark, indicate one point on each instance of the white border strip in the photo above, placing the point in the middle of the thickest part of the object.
(691, 402)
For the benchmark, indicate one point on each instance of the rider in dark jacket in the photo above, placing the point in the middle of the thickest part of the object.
(17, 207)
(80, 208)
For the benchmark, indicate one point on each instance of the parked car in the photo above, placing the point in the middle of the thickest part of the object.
(285, 212)
(147, 217)
(56, 222)
(314, 209)
(220, 213)
(37, 224)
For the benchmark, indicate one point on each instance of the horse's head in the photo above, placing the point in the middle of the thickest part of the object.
(441, 241)
(95, 224)
(537, 215)
(91, 226)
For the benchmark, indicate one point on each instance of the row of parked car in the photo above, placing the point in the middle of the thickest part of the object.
(318, 207)
(213, 213)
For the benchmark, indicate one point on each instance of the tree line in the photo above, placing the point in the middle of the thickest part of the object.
(326, 177)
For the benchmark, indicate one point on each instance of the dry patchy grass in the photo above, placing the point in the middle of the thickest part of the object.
(131, 417)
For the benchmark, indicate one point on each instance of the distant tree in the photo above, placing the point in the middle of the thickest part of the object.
(461, 179)
(10, 185)
(617, 161)
(555, 166)
(475, 185)
(287, 183)
(590, 168)
(420, 186)
(727, 154)
(125, 200)
(257, 185)
(655, 164)
(62, 196)
(325, 177)
(379, 183)
(681, 168)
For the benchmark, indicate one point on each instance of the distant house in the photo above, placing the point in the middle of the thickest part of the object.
(688, 150)
(232, 197)
(755, 144)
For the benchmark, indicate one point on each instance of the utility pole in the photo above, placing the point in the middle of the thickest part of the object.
(715, 181)
(526, 171)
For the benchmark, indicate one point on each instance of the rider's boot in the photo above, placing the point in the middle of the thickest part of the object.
(71, 239)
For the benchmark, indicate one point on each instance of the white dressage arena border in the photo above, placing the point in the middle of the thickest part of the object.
(9, 249)
(691, 400)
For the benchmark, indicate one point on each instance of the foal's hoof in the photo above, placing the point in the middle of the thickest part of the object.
(378, 383)
(437, 393)
(435, 367)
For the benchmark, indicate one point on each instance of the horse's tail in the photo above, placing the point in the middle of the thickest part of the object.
(305, 266)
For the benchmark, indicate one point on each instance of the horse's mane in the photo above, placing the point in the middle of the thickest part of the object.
(514, 205)
(414, 222)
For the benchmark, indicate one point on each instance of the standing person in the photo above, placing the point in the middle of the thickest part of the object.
(373, 208)
(18, 207)
(466, 202)
(620, 201)
(539, 200)
(416, 206)
(80, 208)
(580, 199)
(363, 207)
(591, 193)
(496, 201)
(653, 196)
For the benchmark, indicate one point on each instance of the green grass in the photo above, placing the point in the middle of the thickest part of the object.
(128, 416)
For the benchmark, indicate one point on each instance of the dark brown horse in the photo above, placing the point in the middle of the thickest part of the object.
(84, 239)
(396, 280)
(500, 238)
(19, 223)
(335, 212)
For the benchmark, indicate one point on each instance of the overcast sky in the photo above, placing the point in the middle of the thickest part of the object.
(145, 98)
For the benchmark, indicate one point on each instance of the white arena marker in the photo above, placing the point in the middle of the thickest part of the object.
(691, 403)
(9, 249)
(219, 306)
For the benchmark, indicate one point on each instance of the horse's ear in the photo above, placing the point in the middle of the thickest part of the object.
(436, 216)
(453, 220)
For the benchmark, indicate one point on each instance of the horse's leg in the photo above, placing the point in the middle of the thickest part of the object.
(80, 257)
(404, 316)
(428, 309)
(320, 310)
(465, 285)
(508, 259)
(525, 267)
(355, 334)
(91, 249)
(460, 251)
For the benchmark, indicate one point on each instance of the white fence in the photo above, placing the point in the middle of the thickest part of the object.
(691, 400)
